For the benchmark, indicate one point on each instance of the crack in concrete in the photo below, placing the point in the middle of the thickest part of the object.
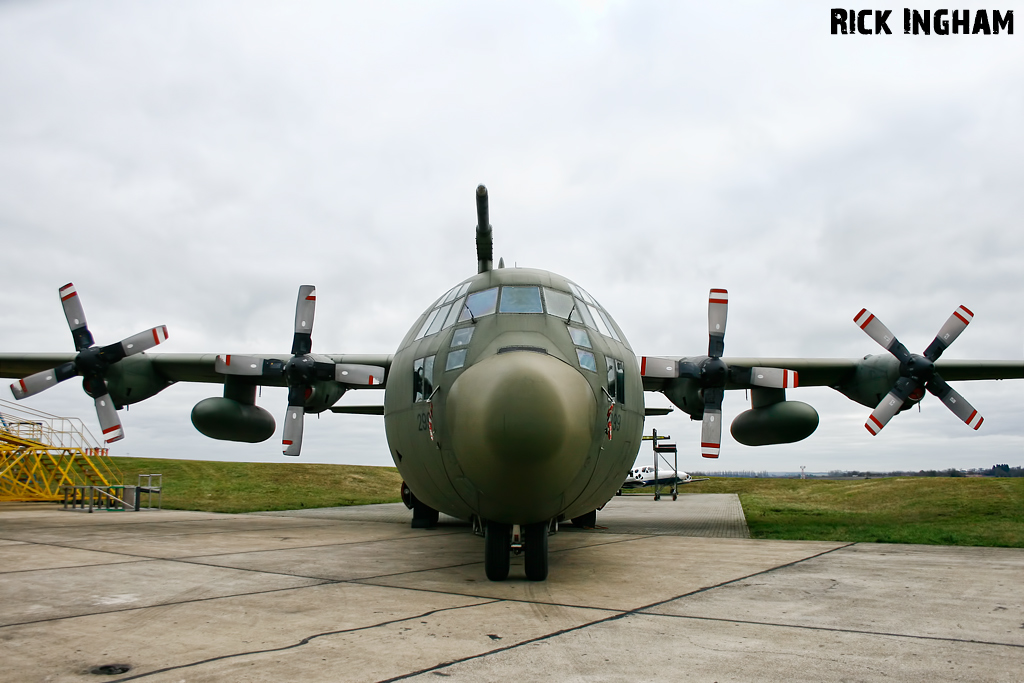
(832, 629)
(304, 641)
(485, 601)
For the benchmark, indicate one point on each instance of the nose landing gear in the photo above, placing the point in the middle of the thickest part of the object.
(498, 546)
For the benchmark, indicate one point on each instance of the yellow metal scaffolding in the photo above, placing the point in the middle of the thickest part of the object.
(40, 453)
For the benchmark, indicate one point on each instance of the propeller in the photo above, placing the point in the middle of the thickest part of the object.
(918, 371)
(301, 370)
(712, 373)
(91, 363)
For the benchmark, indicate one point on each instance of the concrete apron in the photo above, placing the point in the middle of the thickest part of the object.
(314, 596)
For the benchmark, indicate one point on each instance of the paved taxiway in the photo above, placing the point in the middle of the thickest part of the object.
(338, 595)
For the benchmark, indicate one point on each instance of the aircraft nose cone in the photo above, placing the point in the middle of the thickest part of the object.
(522, 426)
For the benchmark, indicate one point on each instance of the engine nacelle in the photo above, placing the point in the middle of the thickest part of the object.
(685, 395)
(134, 379)
(873, 379)
(324, 394)
(782, 422)
(229, 420)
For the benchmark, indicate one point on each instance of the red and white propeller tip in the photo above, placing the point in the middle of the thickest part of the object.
(874, 328)
(774, 378)
(110, 424)
(711, 434)
(292, 433)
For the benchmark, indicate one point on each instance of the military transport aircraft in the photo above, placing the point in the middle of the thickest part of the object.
(514, 401)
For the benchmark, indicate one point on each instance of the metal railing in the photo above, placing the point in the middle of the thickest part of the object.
(40, 453)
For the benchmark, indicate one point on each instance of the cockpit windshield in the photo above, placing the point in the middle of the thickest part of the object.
(520, 300)
(456, 306)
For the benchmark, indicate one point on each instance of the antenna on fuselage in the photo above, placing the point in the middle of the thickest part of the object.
(484, 242)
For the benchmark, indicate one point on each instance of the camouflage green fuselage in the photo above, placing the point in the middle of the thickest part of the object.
(512, 425)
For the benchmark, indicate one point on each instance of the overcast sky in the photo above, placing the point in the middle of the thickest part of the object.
(192, 163)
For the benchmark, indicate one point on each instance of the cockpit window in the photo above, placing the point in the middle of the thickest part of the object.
(584, 312)
(454, 293)
(480, 304)
(427, 323)
(423, 378)
(450, 295)
(580, 337)
(462, 336)
(442, 315)
(453, 316)
(608, 323)
(456, 359)
(601, 326)
(559, 304)
(582, 293)
(587, 360)
(520, 300)
(616, 379)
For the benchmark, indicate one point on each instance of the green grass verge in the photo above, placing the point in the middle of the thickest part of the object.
(251, 487)
(931, 510)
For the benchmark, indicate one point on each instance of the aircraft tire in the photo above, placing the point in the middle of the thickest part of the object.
(587, 521)
(497, 545)
(423, 516)
(537, 551)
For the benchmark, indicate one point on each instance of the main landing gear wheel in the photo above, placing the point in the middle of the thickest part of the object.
(497, 544)
(537, 551)
(587, 521)
(423, 516)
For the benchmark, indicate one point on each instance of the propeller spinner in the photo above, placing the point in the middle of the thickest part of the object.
(301, 370)
(91, 363)
(917, 371)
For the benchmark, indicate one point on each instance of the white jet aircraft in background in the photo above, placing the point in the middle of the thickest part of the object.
(640, 477)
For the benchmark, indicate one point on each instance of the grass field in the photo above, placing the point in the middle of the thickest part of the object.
(934, 510)
(250, 487)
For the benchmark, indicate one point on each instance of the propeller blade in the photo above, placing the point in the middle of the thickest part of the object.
(874, 328)
(234, 364)
(890, 405)
(363, 375)
(711, 427)
(651, 366)
(718, 312)
(956, 324)
(143, 341)
(711, 434)
(110, 424)
(955, 402)
(75, 314)
(292, 439)
(41, 381)
(776, 378)
(305, 308)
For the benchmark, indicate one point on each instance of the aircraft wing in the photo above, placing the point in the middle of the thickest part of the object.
(195, 367)
(178, 367)
(834, 372)
(18, 365)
